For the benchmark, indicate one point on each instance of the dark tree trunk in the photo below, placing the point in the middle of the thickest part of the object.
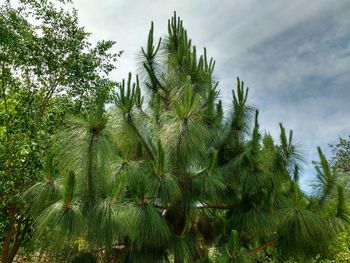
(12, 237)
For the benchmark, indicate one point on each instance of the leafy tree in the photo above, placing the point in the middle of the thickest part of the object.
(341, 156)
(48, 68)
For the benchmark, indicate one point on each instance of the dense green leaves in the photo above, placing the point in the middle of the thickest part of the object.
(48, 70)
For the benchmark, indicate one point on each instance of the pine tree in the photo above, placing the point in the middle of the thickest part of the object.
(168, 176)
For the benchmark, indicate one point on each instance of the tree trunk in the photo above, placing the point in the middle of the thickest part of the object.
(14, 231)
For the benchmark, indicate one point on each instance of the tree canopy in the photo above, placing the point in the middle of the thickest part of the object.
(48, 69)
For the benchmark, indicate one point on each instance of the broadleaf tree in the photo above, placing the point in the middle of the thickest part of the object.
(48, 70)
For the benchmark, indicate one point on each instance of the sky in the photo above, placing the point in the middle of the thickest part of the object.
(293, 55)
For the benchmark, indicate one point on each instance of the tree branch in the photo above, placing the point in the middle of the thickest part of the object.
(144, 143)
(48, 95)
(262, 247)
(223, 206)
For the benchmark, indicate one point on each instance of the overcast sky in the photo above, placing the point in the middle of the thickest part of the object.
(294, 55)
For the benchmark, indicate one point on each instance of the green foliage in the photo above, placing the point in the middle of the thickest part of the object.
(48, 70)
(341, 155)
(147, 227)
(85, 257)
(326, 178)
(233, 249)
(177, 179)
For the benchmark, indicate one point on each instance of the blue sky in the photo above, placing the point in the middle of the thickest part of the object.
(294, 55)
